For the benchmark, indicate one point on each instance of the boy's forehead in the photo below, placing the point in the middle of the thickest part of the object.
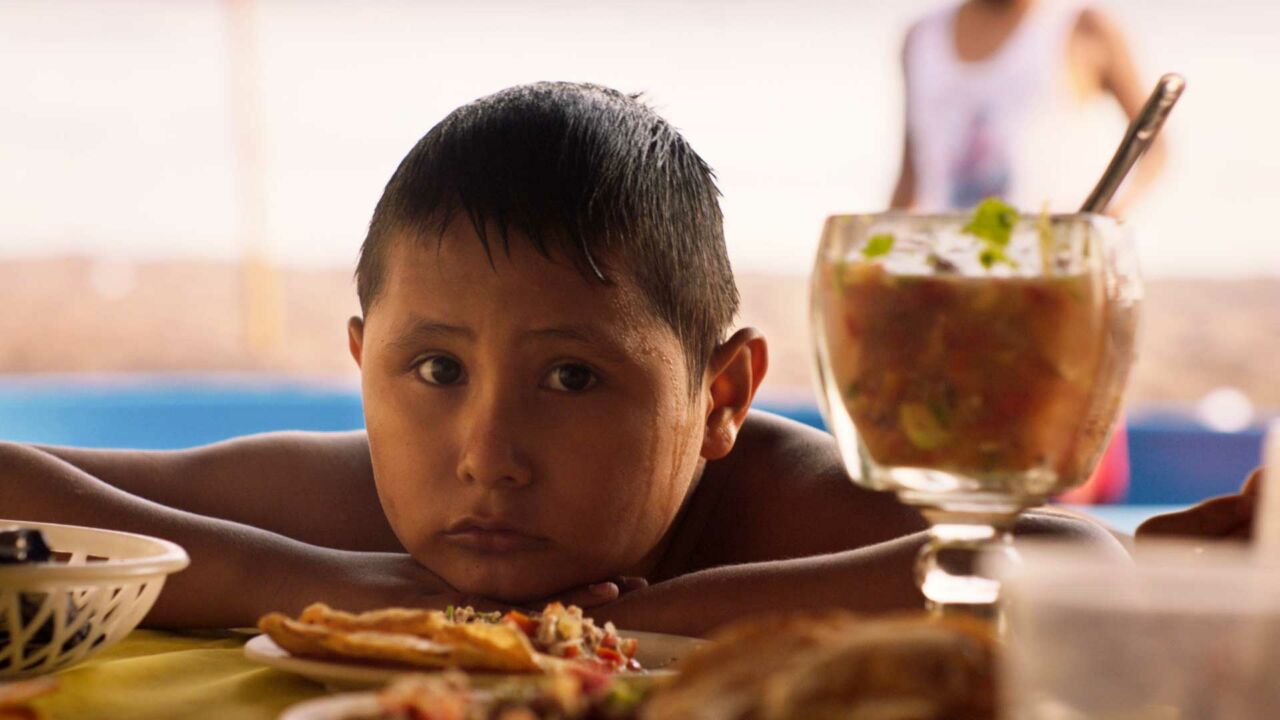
(453, 275)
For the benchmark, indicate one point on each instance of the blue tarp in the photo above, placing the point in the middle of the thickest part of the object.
(1173, 459)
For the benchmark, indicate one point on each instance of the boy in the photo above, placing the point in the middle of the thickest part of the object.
(552, 401)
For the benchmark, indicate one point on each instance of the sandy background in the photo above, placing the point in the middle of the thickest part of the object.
(78, 314)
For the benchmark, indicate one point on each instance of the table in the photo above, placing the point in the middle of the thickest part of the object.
(154, 675)
(195, 674)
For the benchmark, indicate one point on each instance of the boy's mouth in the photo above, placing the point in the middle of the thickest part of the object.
(491, 536)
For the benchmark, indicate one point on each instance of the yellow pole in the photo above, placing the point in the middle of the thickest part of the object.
(260, 287)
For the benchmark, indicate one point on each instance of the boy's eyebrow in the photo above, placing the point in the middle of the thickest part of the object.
(601, 342)
(422, 329)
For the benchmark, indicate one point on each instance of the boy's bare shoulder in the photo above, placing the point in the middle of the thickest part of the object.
(783, 492)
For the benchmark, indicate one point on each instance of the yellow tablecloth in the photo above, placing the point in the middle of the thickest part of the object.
(164, 676)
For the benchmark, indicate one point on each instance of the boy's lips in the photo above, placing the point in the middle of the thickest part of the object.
(490, 536)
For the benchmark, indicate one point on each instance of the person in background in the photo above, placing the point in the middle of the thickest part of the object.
(1001, 101)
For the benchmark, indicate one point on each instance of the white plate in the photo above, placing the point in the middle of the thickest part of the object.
(346, 706)
(656, 653)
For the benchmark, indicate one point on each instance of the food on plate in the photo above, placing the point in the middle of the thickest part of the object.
(571, 692)
(16, 696)
(507, 652)
(833, 665)
(515, 641)
(836, 666)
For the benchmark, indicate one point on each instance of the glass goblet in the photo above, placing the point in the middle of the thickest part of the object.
(973, 371)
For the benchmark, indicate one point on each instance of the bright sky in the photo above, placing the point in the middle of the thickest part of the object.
(116, 136)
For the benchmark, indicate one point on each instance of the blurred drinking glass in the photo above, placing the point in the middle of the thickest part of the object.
(1190, 631)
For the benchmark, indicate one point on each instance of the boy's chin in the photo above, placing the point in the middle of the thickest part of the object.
(508, 591)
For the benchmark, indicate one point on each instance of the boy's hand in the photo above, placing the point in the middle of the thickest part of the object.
(596, 594)
(1229, 517)
(359, 581)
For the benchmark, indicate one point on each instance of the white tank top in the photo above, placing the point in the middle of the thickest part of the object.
(995, 126)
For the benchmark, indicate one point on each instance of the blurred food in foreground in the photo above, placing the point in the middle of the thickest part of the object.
(566, 694)
(15, 696)
(82, 315)
(837, 666)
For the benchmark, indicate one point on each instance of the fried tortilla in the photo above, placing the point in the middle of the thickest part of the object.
(324, 643)
(491, 647)
(494, 648)
(423, 623)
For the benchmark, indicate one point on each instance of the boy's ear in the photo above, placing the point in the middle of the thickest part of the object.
(355, 338)
(737, 366)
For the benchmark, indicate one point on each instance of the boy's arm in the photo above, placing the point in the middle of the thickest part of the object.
(873, 579)
(313, 487)
(237, 572)
(777, 525)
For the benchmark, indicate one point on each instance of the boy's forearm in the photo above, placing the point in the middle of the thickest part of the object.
(873, 579)
(252, 480)
(236, 572)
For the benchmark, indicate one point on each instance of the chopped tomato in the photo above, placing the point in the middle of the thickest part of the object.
(609, 641)
(522, 621)
(611, 656)
(628, 647)
(572, 651)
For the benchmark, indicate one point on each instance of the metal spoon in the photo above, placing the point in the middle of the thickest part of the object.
(1142, 131)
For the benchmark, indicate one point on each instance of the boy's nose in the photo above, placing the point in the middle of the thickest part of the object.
(491, 453)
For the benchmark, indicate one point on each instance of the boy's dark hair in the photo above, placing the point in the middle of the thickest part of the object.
(587, 173)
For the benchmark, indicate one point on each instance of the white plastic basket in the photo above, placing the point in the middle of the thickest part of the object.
(53, 615)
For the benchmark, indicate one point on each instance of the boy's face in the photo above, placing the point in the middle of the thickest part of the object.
(530, 430)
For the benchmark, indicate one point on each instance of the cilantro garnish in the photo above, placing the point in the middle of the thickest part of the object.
(878, 245)
(992, 223)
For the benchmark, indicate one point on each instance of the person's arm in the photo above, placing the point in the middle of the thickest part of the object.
(874, 579)
(1227, 517)
(778, 525)
(904, 190)
(237, 572)
(1117, 75)
(314, 487)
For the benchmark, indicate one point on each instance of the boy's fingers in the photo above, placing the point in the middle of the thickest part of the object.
(595, 594)
(605, 591)
(590, 596)
(1222, 517)
(627, 583)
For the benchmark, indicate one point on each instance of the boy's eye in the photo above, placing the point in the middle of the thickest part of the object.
(440, 370)
(570, 378)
